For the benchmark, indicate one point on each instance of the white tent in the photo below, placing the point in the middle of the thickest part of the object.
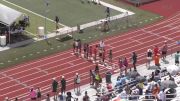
(8, 15)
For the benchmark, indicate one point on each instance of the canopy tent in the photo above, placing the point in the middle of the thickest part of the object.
(8, 15)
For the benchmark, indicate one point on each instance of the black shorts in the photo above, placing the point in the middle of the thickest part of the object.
(164, 52)
(177, 62)
(33, 98)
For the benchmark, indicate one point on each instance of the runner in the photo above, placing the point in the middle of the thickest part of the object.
(85, 50)
(90, 52)
(74, 47)
(38, 92)
(103, 55)
(101, 44)
(149, 57)
(95, 52)
(120, 64)
(63, 85)
(125, 64)
(32, 94)
(55, 88)
(110, 55)
(134, 60)
(156, 51)
(164, 50)
(79, 47)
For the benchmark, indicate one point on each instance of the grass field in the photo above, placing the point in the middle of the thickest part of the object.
(71, 12)
(41, 48)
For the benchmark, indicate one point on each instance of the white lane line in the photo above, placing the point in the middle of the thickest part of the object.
(41, 70)
(32, 12)
(78, 64)
(66, 52)
(157, 34)
(68, 80)
(109, 44)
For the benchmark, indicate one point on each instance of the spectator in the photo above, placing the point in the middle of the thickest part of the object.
(54, 88)
(156, 90)
(38, 94)
(149, 57)
(69, 96)
(86, 97)
(134, 60)
(152, 76)
(48, 97)
(63, 85)
(32, 95)
(170, 77)
(61, 97)
(177, 55)
(164, 50)
(162, 96)
(140, 86)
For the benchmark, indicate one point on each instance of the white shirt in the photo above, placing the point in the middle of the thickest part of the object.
(162, 96)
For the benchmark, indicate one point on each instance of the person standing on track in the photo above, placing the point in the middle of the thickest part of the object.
(32, 94)
(90, 52)
(125, 64)
(77, 83)
(63, 85)
(74, 47)
(79, 47)
(38, 92)
(149, 57)
(95, 52)
(55, 88)
(110, 55)
(134, 60)
(120, 64)
(164, 50)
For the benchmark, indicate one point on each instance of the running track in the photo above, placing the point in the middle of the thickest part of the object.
(16, 81)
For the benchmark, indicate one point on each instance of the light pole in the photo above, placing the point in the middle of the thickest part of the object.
(45, 19)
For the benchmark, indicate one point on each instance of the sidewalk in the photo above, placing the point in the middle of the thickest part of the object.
(142, 71)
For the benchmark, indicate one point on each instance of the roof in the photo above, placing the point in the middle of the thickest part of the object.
(8, 15)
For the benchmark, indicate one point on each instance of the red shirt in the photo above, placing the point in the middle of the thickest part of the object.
(156, 51)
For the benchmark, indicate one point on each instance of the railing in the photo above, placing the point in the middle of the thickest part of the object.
(143, 97)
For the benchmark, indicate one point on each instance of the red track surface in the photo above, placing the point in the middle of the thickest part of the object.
(163, 7)
(16, 81)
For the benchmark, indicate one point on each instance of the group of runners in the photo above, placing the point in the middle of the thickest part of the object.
(96, 53)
